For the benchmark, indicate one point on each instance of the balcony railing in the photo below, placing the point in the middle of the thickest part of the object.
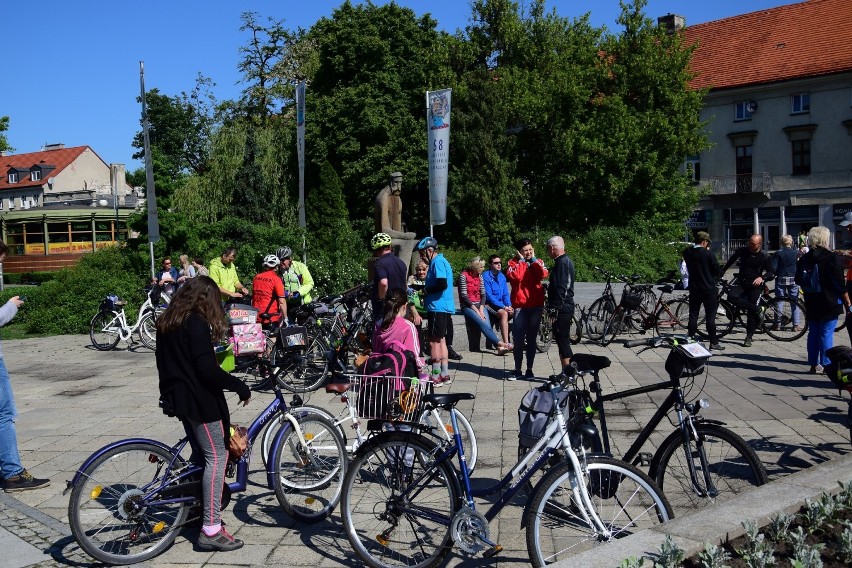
(742, 183)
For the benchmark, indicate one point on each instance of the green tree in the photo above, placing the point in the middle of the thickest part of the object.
(4, 142)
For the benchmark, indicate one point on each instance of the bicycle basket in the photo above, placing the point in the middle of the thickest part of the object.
(108, 303)
(631, 298)
(840, 368)
(389, 398)
(686, 360)
(293, 338)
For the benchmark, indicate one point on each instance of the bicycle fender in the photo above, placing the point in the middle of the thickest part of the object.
(703, 420)
(109, 447)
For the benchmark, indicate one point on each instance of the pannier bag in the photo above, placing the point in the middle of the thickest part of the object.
(238, 442)
(840, 368)
(686, 360)
(241, 313)
(630, 298)
(293, 338)
(247, 338)
(388, 387)
(108, 304)
(533, 412)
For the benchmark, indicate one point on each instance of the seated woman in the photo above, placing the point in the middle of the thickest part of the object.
(497, 300)
(472, 300)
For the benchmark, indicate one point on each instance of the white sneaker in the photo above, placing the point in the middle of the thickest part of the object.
(514, 376)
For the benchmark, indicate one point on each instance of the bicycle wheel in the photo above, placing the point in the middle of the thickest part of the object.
(112, 516)
(613, 327)
(443, 429)
(667, 322)
(724, 318)
(388, 523)
(841, 324)
(148, 330)
(104, 330)
(545, 334)
(305, 373)
(576, 329)
(732, 465)
(599, 314)
(624, 498)
(309, 477)
(784, 319)
(271, 429)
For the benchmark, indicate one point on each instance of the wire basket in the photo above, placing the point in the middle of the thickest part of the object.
(631, 298)
(398, 399)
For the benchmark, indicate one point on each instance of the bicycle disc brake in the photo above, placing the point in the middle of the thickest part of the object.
(469, 528)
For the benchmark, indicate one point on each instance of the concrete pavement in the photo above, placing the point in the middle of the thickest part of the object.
(73, 400)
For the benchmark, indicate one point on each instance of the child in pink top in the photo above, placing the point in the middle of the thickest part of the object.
(394, 332)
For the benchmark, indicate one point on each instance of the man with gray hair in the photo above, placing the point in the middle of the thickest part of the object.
(560, 297)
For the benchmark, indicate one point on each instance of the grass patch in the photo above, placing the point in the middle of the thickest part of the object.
(18, 331)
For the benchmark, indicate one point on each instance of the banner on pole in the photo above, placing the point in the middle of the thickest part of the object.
(150, 196)
(300, 146)
(438, 104)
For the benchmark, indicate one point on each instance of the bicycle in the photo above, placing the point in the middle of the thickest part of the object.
(405, 504)
(701, 459)
(109, 325)
(130, 498)
(778, 315)
(631, 313)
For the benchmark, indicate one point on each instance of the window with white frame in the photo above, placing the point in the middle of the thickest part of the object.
(35, 175)
(800, 103)
(693, 168)
(742, 110)
(13, 177)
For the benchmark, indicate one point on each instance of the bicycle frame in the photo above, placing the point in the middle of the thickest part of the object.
(126, 331)
(675, 400)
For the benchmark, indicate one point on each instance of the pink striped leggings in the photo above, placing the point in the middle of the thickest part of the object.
(211, 441)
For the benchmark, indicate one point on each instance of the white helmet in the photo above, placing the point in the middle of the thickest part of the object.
(271, 261)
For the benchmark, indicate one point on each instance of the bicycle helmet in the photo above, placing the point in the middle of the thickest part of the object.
(271, 261)
(284, 252)
(380, 240)
(427, 242)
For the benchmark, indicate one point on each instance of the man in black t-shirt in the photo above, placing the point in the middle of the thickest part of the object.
(755, 270)
(388, 272)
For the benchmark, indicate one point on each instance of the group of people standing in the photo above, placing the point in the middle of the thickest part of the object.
(826, 295)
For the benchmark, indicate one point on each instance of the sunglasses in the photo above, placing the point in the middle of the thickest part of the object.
(497, 262)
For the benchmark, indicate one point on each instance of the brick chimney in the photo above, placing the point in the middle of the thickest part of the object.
(672, 22)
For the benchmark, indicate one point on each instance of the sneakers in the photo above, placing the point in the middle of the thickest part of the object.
(816, 370)
(529, 374)
(747, 342)
(716, 347)
(514, 376)
(797, 328)
(441, 380)
(221, 541)
(24, 481)
(452, 354)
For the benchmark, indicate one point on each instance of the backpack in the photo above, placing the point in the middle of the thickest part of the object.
(840, 368)
(533, 414)
(382, 377)
(808, 277)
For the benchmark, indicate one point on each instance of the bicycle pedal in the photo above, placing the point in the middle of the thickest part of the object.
(645, 459)
(493, 551)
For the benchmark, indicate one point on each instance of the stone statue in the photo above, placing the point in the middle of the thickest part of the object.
(388, 218)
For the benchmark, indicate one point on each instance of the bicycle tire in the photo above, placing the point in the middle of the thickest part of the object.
(724, 318)
(613, 327)
(372, 508)
(625, 499)
(599, 314)
(733, 464)
(98, 507)
(779, 320)
(104, 331)
(148, 330)
(306, 375)
(841, 324)
(577, 329)
(468, 436)
(544, 337)
(666, 320)
(308, 479)
(271, 429)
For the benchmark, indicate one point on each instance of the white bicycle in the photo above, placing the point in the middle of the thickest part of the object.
(109, 326)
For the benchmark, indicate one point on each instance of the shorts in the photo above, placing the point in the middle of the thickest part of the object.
(437, 325)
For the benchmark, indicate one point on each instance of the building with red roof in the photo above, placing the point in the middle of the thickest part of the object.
(779, 117)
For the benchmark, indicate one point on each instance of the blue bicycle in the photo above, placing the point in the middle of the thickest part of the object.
(130, 499)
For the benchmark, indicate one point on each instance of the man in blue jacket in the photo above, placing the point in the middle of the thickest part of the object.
(497, 300)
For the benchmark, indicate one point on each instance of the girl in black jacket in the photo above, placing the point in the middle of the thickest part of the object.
(192, 387)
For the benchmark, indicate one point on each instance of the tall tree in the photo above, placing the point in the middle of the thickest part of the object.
(4, 142)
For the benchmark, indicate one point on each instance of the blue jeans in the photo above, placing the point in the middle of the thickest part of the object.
(820, 340)
(10, 459)
(484, 324)
(525, 328)
(791, 292)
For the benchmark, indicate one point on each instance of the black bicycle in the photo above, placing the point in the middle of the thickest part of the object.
(701, 461)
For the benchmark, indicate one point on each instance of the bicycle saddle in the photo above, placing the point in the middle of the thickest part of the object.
(667, 289)
(585, 362)
(448, 399)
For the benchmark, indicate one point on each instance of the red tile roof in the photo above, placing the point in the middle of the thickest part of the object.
(60, 158)
(789, 42)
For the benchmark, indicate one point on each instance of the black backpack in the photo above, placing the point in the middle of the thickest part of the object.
(840, 368)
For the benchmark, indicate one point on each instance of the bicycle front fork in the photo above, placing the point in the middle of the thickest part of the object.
(690, 437)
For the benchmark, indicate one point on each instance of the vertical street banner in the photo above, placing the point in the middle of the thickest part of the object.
(300, 147)
(438, 104)
(150, 196)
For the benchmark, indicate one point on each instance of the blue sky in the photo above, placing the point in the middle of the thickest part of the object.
(72, 68)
